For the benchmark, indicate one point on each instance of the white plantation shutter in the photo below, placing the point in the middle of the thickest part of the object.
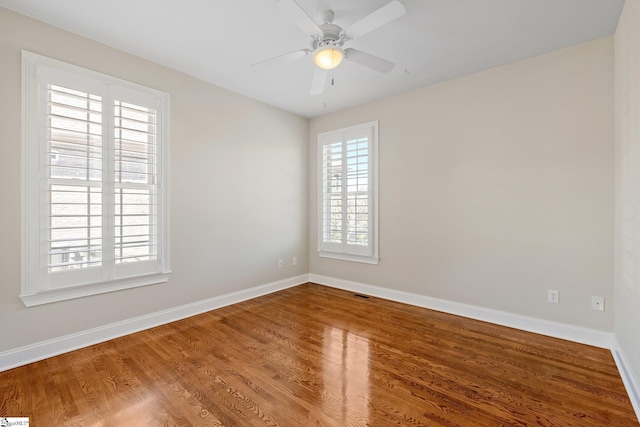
(357, 207)
(74, 179)
(348, 195)
(332, 200)
(96, 216)
(136, 184)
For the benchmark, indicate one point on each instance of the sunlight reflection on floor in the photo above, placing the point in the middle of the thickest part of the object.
(346, 376)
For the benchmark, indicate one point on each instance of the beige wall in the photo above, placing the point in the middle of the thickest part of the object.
(627, 288)
(496, 187)
(238, 189)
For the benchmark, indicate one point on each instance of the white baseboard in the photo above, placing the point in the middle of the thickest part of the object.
(631, 383)
(564, 331)
(53, 347)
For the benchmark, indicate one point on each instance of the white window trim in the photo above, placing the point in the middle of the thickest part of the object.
(343, 254)
(32, 292)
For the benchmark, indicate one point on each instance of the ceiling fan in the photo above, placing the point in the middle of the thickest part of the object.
(328, 40)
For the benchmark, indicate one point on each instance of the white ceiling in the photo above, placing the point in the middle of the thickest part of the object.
(437, 40)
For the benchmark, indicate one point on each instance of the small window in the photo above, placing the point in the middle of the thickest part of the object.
(348, 193)
(94, 183)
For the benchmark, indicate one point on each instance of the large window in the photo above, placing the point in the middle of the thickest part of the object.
(94, 183)
(348, 194)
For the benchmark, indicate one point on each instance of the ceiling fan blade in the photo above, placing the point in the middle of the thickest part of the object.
(288, 57)
(319, 80)
(377, 19)
(299, 17)
(368, 60)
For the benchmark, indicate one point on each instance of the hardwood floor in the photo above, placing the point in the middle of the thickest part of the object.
(316, 356)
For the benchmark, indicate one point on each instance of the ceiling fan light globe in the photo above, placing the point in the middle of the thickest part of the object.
(328, 58)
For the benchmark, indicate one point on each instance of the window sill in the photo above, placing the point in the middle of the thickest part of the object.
(62, 294)
(349, 257)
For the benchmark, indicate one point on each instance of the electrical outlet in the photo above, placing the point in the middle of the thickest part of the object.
(294, 261)
(597, 303)
(280, 263)
(553, 296)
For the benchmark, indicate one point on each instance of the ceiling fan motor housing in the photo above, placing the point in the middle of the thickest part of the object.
(332, 35)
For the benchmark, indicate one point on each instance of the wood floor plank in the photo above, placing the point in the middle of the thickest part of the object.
(317, 356)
